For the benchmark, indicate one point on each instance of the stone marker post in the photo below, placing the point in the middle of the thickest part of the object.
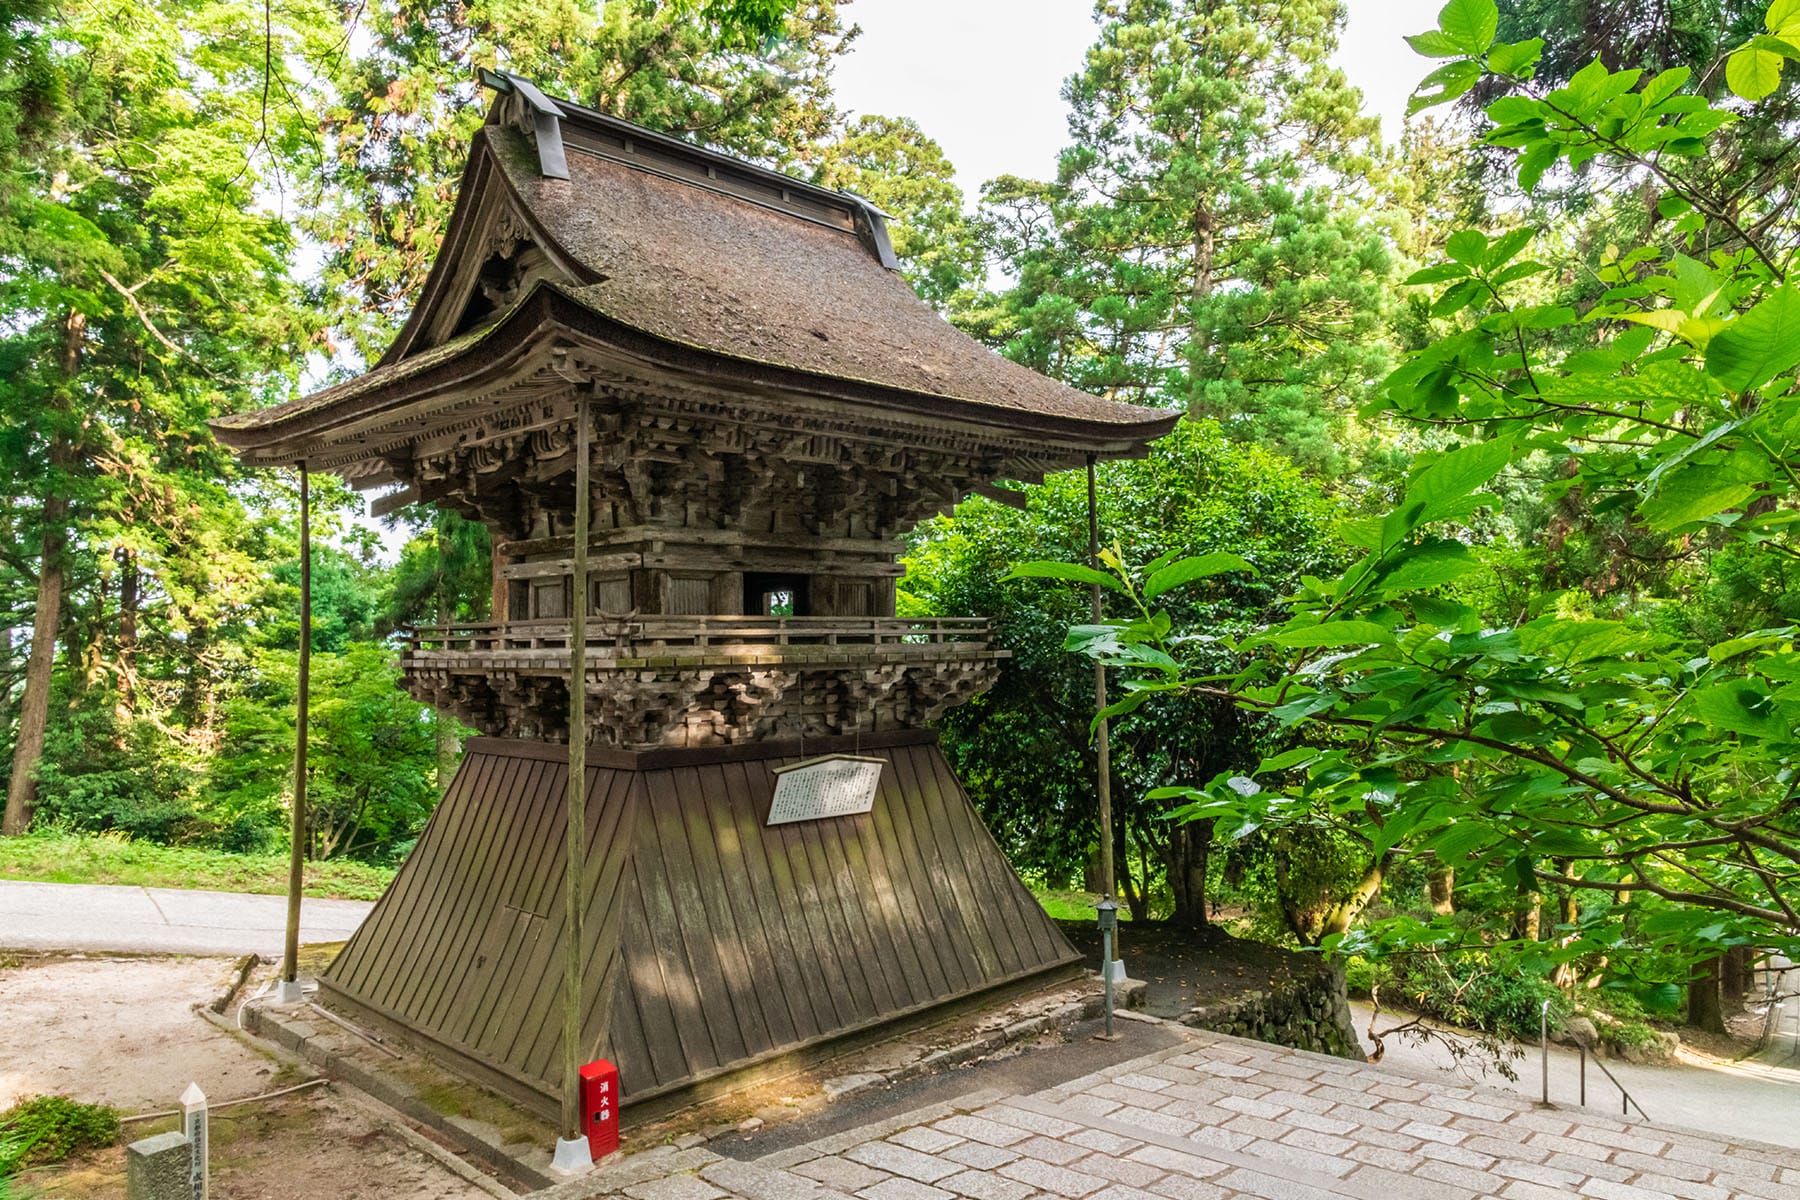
(193, 1122)
(159, 1168)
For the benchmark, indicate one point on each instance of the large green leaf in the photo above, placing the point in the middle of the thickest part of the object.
(1700, 489)
(1332, 633)
(1426, 566)
(1059, 570)
(1753, 72)
(1758, 346)
(1458, 474)
(1188, 570)
(1515, 58)
(1740, 706)
(1471, 24)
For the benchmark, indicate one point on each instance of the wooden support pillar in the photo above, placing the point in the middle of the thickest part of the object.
(576, 856)
(290, 962)
(1102, 741)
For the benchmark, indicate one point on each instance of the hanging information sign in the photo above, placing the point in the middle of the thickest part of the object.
(837, 785)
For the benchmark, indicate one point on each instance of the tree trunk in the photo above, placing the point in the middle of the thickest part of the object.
(1091, 880)
(1130, 889)
(1205, 249)
(1528, 917)
(1441, 883)
(129, 599)
(1340, 916)
(1188, 848)
(1565, 976)
(34, 703)
(1737, 978)
(1704, 1008)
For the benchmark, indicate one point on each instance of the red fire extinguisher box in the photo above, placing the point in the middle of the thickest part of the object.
(600, 1107)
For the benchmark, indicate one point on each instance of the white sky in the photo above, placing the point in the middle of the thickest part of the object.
(984, 77)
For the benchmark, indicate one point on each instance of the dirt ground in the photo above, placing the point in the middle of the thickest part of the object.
(311, 1146)
(122, 1031)
(1186, 968)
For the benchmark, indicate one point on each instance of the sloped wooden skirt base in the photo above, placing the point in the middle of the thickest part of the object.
(713, 941)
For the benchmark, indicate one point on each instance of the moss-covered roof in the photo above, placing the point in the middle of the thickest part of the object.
(668, 253)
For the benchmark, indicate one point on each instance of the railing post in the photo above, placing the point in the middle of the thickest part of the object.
(1544, 1047)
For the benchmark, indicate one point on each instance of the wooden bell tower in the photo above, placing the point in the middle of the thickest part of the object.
(770, 409)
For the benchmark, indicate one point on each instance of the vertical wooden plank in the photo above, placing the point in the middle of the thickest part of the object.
(944, 931)
(412, 938)
(886, 911)
(664, 1059)
(810, 899)
(979, 937)
(454, 986)
(916, 920)
(862, 948)
(630, 1049)
(955, 825)
(801, 903)
(721, 858)
(697, 791)
(760, 907)
(692, 924)
(785, 912)
(692, 1039)
(523, 850)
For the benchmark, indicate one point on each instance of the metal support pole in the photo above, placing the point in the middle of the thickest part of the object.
(290, 992)
(572, 1149)
(1102, 734)
(1582, 1047)
(1544, 1047)
(1106, 950)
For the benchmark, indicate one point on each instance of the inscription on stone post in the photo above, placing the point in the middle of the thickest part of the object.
(193, 1120)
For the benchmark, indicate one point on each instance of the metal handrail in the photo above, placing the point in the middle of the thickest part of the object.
(1627, 1101)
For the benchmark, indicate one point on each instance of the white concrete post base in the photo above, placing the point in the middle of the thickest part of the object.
(290, 992)
(1116, 971)
(572, 1157)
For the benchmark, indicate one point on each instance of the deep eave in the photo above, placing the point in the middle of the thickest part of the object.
(484, 359)
(656, 252)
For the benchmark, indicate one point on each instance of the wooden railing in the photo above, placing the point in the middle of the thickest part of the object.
(639, 636)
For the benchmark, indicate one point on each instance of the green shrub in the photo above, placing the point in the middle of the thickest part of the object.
(48, 1129)
(1359, 976)
(1475, 993)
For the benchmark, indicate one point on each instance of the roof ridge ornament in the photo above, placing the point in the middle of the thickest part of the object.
(878, 230)
(538, 116)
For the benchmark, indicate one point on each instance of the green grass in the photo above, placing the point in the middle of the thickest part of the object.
(86, 858)
(1071, 906)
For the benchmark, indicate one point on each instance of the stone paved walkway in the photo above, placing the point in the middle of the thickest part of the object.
(1221, 1117)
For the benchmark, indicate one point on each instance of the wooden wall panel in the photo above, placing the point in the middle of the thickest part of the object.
(714, 941)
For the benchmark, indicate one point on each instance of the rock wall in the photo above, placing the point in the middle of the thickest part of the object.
(1309, 1013)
